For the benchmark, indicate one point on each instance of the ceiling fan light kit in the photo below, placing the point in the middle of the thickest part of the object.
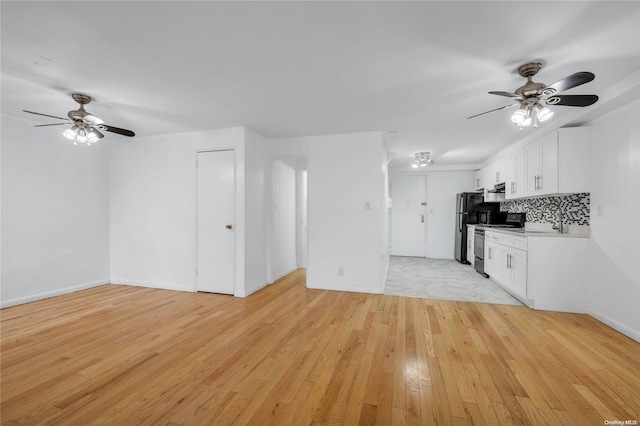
(423, 159)
(532, 97)
(82, 134)
(85, 127)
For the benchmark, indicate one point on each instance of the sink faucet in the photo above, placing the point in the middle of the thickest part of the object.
(557, 226)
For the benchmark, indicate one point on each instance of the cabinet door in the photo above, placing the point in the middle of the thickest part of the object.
(511, 177)
(518, 188)
(532, 166)
(498, 171)
(518, 270)
(548, 182)
(489, 258)
(486, 179)
(478, 180)
(506, 278)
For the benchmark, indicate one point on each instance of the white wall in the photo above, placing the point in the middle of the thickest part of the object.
(257, 178)
(614, 286)
(284, 219)
(55, 213)
(152, 212)
(442, 188)
(344, 172)
(153, 209)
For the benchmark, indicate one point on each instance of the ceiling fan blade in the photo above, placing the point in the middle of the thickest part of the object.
(46, 115)
(569, 82)
(54, 124)
(118, 130)
(572, 100)
(507, 94)
(497, 109)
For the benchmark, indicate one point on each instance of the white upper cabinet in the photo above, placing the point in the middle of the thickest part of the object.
(492, 175)
(557, 163)
(479, 179)
(514, 177)
(498, 171)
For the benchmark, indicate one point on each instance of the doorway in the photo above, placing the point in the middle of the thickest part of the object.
(408, 195)
(288, 216)
(216, 206)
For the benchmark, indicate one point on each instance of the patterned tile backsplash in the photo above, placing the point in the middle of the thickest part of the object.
(575, 208)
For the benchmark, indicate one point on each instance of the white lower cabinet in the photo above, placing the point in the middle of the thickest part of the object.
(492, 260)
(514, 270)
(547, 273)
(506, 262)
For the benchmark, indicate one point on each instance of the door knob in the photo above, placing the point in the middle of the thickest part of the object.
(229, 226)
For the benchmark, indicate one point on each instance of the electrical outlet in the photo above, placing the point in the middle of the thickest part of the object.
(341, 271)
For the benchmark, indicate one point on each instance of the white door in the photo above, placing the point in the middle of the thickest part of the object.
(216, 222)
(407, 215)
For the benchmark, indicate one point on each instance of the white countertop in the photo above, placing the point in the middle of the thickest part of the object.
(545, 230)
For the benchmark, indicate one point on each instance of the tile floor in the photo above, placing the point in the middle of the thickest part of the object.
(442, 279)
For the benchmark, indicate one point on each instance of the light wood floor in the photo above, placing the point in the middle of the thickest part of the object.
(291, 355)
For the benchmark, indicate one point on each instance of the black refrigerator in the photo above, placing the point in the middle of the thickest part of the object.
(468, 206)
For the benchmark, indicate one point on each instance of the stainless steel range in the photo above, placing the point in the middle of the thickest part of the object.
(512, 221)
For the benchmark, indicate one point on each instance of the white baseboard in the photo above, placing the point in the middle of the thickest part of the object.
(286, 272)
(253, 290)
(53, 293)
(345, 287)
(154, 284)
(616, 325)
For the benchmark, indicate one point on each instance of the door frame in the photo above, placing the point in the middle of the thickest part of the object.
(235, 214)
(298, 195)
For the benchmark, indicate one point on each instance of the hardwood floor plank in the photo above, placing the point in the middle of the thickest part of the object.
(368, 417)
(290, 355)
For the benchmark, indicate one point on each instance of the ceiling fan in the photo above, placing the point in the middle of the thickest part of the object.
(533, 96)
(85, 127)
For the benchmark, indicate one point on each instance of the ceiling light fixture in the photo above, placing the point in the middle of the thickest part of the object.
(543, 113)
(530, 113)
(423, 159)
(82, 133)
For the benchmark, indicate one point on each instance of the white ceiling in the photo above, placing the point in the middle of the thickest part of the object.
(413, 69)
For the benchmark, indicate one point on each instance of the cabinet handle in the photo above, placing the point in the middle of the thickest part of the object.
(508, 261)
(477, 182)
(490, 253)
(497, 177)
